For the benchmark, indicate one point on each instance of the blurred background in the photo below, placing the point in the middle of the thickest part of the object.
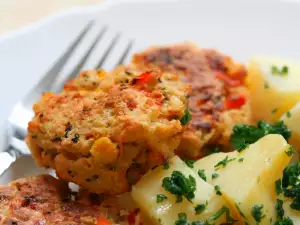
(17, 13)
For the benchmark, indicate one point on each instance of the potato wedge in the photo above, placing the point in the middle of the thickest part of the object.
(274, 87)
(166, 212)
(248, 177)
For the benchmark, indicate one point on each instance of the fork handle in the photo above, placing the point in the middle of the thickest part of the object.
(7, 158)
(16, 149)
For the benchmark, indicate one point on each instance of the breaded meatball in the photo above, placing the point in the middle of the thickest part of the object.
(107, 129)
(218, 99)
(45, 200)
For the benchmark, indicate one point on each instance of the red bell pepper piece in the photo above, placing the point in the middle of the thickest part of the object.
(235, 102)
(103, 221)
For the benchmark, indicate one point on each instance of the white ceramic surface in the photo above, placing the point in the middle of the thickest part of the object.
(238, 27)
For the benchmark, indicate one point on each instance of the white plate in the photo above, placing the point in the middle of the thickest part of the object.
(239, 28)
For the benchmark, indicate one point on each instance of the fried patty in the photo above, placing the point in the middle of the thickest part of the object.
(107, 129)
(45, 200)
(218, 97)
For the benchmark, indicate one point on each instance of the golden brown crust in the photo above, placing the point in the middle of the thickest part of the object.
(217, 87)
(103, 123)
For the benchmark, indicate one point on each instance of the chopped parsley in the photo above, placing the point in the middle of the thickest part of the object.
(186, 117)
(257, 213)
(180, 186)
(200, 208)
(274, 110)
(242, 147)
(214, 175)
(244, 134)
(266, 85)
(160, 198)
(280, 71)
(223, 163)
(241, 160)
(281, 220)
(288, 114)
(279, 209)
(278, 187)
(189, 162)
(182, 219)
(291, 184)
(202, 174)
(218, 190)
(220, 212)
(284, 221)
(290, 151)
(166, 165)
(213, 151)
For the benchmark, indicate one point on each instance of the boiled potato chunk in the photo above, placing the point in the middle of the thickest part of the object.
(292, 120)
(249, 176)
(166, 212)
(273, 94)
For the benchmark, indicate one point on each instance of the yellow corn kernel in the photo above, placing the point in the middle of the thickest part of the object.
(104, 151)
(101, 73)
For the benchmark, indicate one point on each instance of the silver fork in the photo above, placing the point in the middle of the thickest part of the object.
(22, 112)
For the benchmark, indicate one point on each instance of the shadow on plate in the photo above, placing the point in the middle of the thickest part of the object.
(23, 167)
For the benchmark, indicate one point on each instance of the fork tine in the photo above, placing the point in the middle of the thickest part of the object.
(108, 51)
(87, 54)
(45, 84)
(59, 86)
(125, 53)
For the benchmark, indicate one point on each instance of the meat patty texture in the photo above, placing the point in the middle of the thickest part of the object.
(218, 99)
(107, 129)
(44, 200)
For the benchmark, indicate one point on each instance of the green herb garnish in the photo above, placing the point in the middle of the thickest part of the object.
(290, 151)
(257, 213)
(186, 117)
(223, 163)
(291, 184)
(220, 212)
(213, 151)
(274, 110)
(202, 174)
(284, 221)
(166, 165)
(189, 162)
(160, 198)
(279, 209)
(180, 185)
(266, 85)
(280, 71)
(200, 208)
(214, 175)
(288, 114)
(245, 134)
(218, 190)
(278, 187)
(241, 160)
(182, 219)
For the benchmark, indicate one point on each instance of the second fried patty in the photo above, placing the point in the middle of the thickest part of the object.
(218, 97)
(43, 199)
